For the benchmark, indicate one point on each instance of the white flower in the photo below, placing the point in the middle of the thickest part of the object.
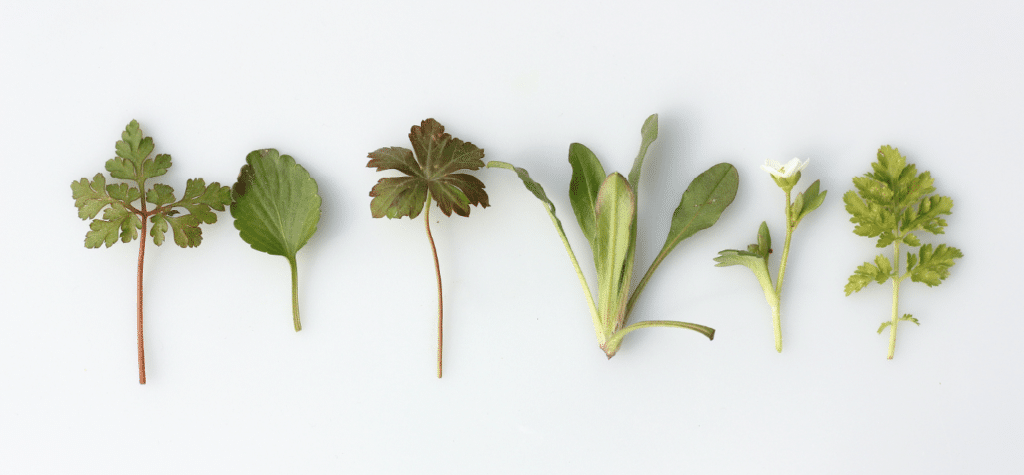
(779, 170)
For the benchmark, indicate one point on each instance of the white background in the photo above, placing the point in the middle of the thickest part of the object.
(233, 389)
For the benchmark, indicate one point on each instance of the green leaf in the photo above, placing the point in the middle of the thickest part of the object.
(90, 196)
(756, 263)
(587, 176)
(395, 158)
(533, 187)
(926, 215)
(870, 217)
(885, 239)
(160, 195)
(616, 206)
(121, 168)
(157, 166)
(132, 162)
(437, 156)
(123, 192)
(397, 197)
(764, 240)
(884, 269)
(911, 240)
(276, 204)
(648, 134)
(911, 261)
(538, 191)
(872, 189)
(934, 266)
(883, 326)
(702, 203)
(811, 199)
(185, 229)
(864, 275)
(889, 166)
(134, 146)
(117, 222)
(913, 186)
(908, 318)
(158, 228)
(200, 199)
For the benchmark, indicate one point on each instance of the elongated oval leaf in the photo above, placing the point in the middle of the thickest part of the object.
(616, 207)
(276, 205)
(587, 176)
(648, 134)
(703, 203)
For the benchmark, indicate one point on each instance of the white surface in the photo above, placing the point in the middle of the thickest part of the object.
(232, 389)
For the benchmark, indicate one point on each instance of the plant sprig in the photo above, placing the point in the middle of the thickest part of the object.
(430, 168)
(756, 256)
(123, 220)
(892, 203)
(606, 210)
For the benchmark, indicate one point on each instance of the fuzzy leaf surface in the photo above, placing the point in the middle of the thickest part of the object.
(276, 203)
(431, 167)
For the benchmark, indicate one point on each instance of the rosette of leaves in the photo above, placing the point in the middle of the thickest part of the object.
(276, 207)
(894, 203)
(606, 210)
(430, 169)
(127, 212)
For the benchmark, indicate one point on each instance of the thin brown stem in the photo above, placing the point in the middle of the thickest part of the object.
(440, 301)
(142, 255)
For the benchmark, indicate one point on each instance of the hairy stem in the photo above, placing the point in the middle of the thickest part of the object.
(295, 293)
(785, 248)
(777, 308)
(895, 299)
(440, 300)
(142, 255)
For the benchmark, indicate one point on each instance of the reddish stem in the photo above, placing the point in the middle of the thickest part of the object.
(440, 300)
(142, 254)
